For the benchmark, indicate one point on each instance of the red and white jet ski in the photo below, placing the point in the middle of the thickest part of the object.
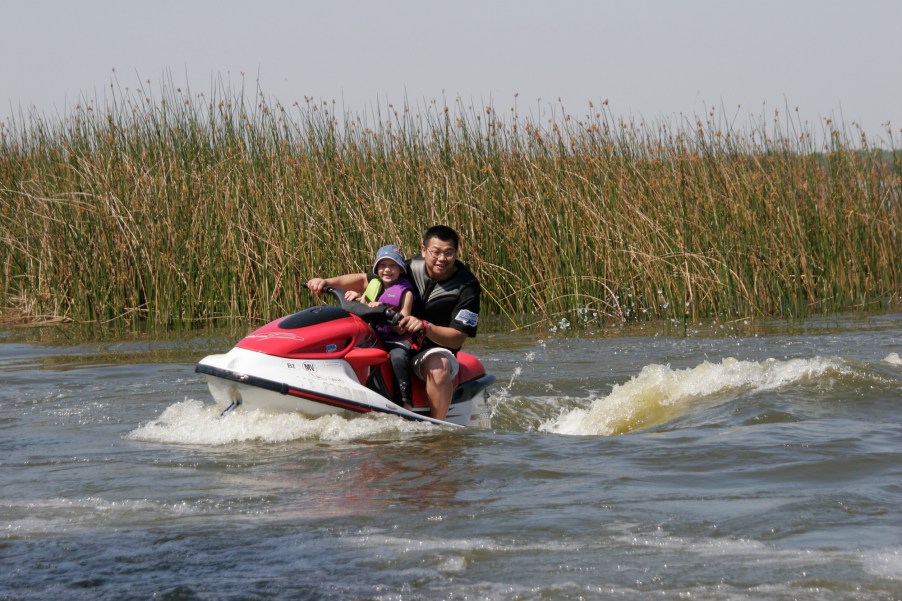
(328, 360)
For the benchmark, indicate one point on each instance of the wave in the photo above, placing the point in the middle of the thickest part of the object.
(198, 423)
(659, 394)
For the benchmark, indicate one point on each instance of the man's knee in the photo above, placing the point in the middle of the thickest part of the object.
(437, 368)
(435, 363)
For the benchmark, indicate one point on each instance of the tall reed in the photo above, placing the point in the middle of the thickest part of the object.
(187, 207)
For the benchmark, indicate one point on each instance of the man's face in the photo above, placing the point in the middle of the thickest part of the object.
(440, 257)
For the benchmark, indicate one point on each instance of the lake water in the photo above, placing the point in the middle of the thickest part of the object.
(735, 461)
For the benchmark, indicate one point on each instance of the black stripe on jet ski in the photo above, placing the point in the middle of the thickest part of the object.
(354, 406)
(234, 376)
(330, 400)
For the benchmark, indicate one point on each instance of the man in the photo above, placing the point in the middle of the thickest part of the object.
(447, 311)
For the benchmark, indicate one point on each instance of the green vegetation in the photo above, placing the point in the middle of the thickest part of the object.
(192, 207)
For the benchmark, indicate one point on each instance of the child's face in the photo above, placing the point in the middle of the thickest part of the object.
(388, 271)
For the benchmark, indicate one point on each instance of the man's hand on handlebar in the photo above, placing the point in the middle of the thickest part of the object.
(411, 324)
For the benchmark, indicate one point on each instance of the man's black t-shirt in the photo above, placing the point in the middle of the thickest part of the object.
(453, 303)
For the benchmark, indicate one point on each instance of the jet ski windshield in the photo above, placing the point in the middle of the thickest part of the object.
(312, 316)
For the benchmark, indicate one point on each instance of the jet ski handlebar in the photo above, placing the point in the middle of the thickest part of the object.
(363, 310)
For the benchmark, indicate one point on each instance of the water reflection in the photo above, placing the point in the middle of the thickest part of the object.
(376, 479)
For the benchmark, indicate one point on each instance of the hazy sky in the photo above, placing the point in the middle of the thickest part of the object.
(653, 59)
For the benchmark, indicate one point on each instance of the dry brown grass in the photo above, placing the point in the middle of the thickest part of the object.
(189, 208)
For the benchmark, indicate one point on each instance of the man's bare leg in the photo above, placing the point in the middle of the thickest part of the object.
(437, 369)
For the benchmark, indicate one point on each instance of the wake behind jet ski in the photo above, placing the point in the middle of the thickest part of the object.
(328, 360)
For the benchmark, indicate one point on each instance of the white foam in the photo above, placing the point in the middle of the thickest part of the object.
(886, 563)
(54, 515)
(893, 359)
(449, 545)
(659, 393)
(196, 422)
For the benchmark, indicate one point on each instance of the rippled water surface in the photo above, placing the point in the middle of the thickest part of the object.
(748, 461)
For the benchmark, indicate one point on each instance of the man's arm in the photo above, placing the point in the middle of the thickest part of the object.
(464, 320)
(441, 335)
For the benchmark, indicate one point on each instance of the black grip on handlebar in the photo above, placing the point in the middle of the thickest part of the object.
(326, 289)
(418, 338)
(392, 316)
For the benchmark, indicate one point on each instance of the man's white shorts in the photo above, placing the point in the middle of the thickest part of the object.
(417, 363)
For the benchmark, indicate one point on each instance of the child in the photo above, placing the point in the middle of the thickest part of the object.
(387, 287)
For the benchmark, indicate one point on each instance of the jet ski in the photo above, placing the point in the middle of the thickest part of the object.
(328, 360)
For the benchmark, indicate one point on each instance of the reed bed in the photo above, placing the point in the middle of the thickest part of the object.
(183, 208)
